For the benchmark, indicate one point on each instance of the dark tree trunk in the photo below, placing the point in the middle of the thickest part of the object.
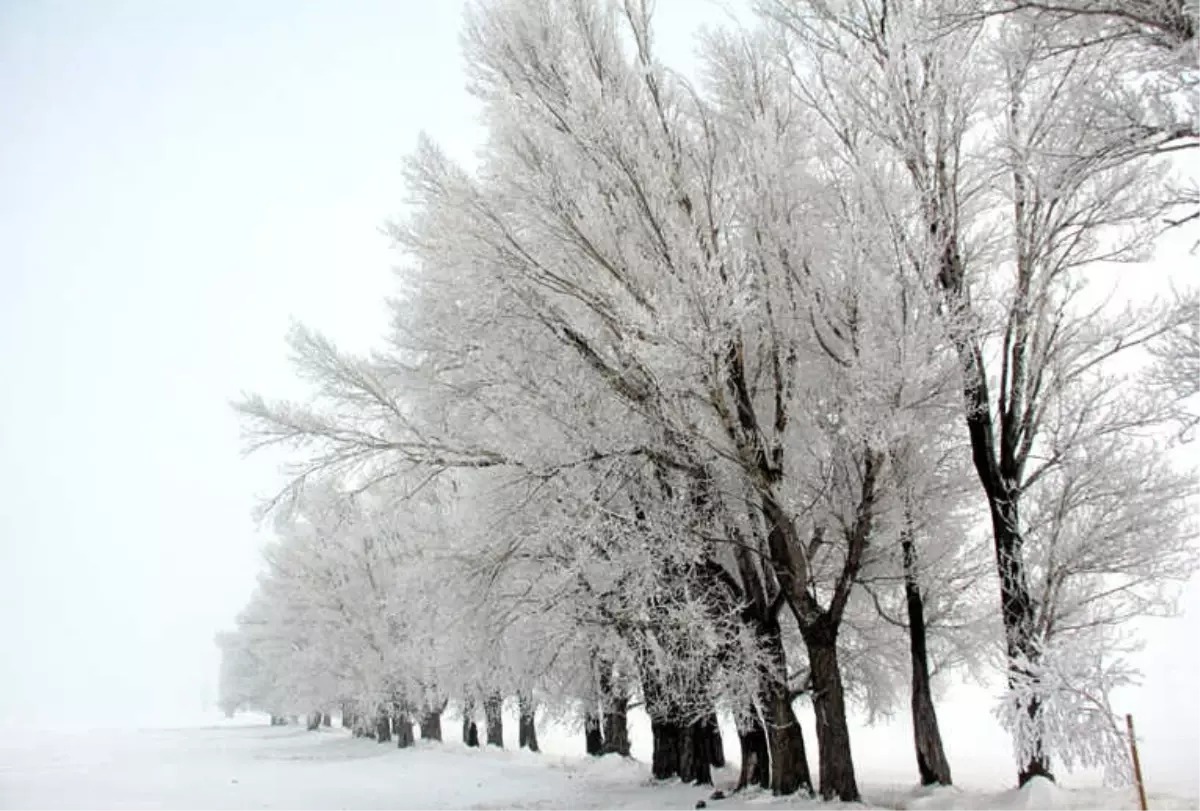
(616, 726)
(789, 770)
(592, 736)
(756, 759)
(695, 753)
(787, 766)
(999, 466)
(526, 726)
(492, 707)
(931, 755)
(326, 719)
(314, 721)
(690, 754)
(1016, 607)
(402, 727)
(614, 709)
(819, 628)
(716, 748)
(470, 732)
(836, 765)
(681, 748)
(780, 760)
(667, 737)
(347, 716)
(431, 725)
(383, 727)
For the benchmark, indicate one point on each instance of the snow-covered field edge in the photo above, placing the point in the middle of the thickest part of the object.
(244, 764)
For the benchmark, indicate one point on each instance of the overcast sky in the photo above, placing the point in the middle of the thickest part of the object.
(178, 180)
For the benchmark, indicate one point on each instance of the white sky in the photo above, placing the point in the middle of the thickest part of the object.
(177, 181)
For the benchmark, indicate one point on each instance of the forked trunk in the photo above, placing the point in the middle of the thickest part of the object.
(495, 723)
(314, 721)
(836, 765)
(931, 756)
(817, 627)
(998, 463)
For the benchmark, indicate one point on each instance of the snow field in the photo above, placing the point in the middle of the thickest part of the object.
(235, 765)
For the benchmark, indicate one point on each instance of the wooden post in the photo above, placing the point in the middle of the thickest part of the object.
(1137, 764)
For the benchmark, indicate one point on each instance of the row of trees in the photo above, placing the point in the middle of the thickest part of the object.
(714, 396)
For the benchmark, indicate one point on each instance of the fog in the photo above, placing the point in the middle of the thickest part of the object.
(177, 182)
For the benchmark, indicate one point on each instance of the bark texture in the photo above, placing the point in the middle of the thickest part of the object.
(787, 763)
(756, 759)
(835, 762)
(664, 762)
(999, 461)
(526, 726)
(492, 707)
(616, 727)
(695, 753)
(931, 755)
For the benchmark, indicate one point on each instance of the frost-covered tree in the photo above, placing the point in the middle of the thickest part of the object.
(672, 402)
(1018, 186)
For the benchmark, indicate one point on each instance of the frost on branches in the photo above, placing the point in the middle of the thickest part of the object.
(715, 395)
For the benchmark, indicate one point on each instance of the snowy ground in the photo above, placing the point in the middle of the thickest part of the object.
(257, 766)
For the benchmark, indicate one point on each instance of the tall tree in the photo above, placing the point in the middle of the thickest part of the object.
(1077, 192)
